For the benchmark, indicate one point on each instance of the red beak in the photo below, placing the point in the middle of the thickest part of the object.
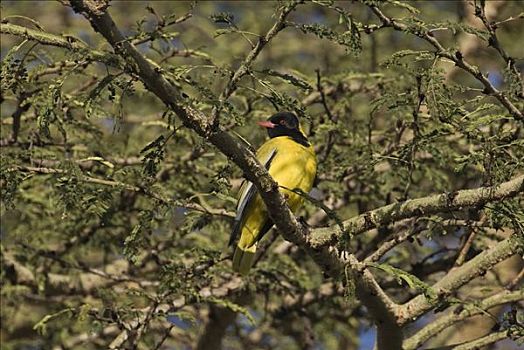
(267, 124)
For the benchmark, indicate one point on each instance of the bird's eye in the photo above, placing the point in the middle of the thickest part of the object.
(283, 122)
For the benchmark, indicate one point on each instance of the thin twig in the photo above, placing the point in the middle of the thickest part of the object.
(457, 58)
(459, 277)
(460, 314)
(465, 248)
(245, 66)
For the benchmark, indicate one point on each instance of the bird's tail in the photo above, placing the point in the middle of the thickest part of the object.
(243, 258)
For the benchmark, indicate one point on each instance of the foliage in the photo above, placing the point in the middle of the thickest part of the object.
(115, 213)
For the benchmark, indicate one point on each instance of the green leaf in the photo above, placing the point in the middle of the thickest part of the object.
(222, 17)
(159, 141)
(233, 307)
(412, 281)
(41, 326)
(290, 78)
(404, 5)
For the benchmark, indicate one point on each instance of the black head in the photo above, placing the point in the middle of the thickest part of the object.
(285, 124)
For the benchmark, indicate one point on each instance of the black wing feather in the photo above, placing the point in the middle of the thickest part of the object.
(244, 203)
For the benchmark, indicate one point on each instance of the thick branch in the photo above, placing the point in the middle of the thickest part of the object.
(44, 38)
(460, 276)
(437, 326)
(418, 207)
(383, 309)
(152, 77)
(484, 341)
(219, 319)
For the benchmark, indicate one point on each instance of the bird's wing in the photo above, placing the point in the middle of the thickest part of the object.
(247, 194)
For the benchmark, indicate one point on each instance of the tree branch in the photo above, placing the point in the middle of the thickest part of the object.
(219, 319)
(417, 207)
(152, 77)
(456, 58)
(484, 341)
(129, 187)
(44, 38)
(235, 284)
(262, 41)
(437, 326)
(383, 309)
(234, 149)
(460, 276)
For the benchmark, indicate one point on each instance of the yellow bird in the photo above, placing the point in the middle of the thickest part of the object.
(291, 161)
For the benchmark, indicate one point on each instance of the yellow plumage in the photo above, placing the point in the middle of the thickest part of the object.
(293, 166)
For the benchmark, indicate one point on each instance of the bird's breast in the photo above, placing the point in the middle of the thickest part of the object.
(293, 167)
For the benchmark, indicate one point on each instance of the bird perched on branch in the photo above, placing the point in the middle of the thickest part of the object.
(290, 160)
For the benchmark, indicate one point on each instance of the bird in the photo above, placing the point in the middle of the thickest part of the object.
(290, 159)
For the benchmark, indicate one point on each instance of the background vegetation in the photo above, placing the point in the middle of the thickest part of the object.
(119, 171)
